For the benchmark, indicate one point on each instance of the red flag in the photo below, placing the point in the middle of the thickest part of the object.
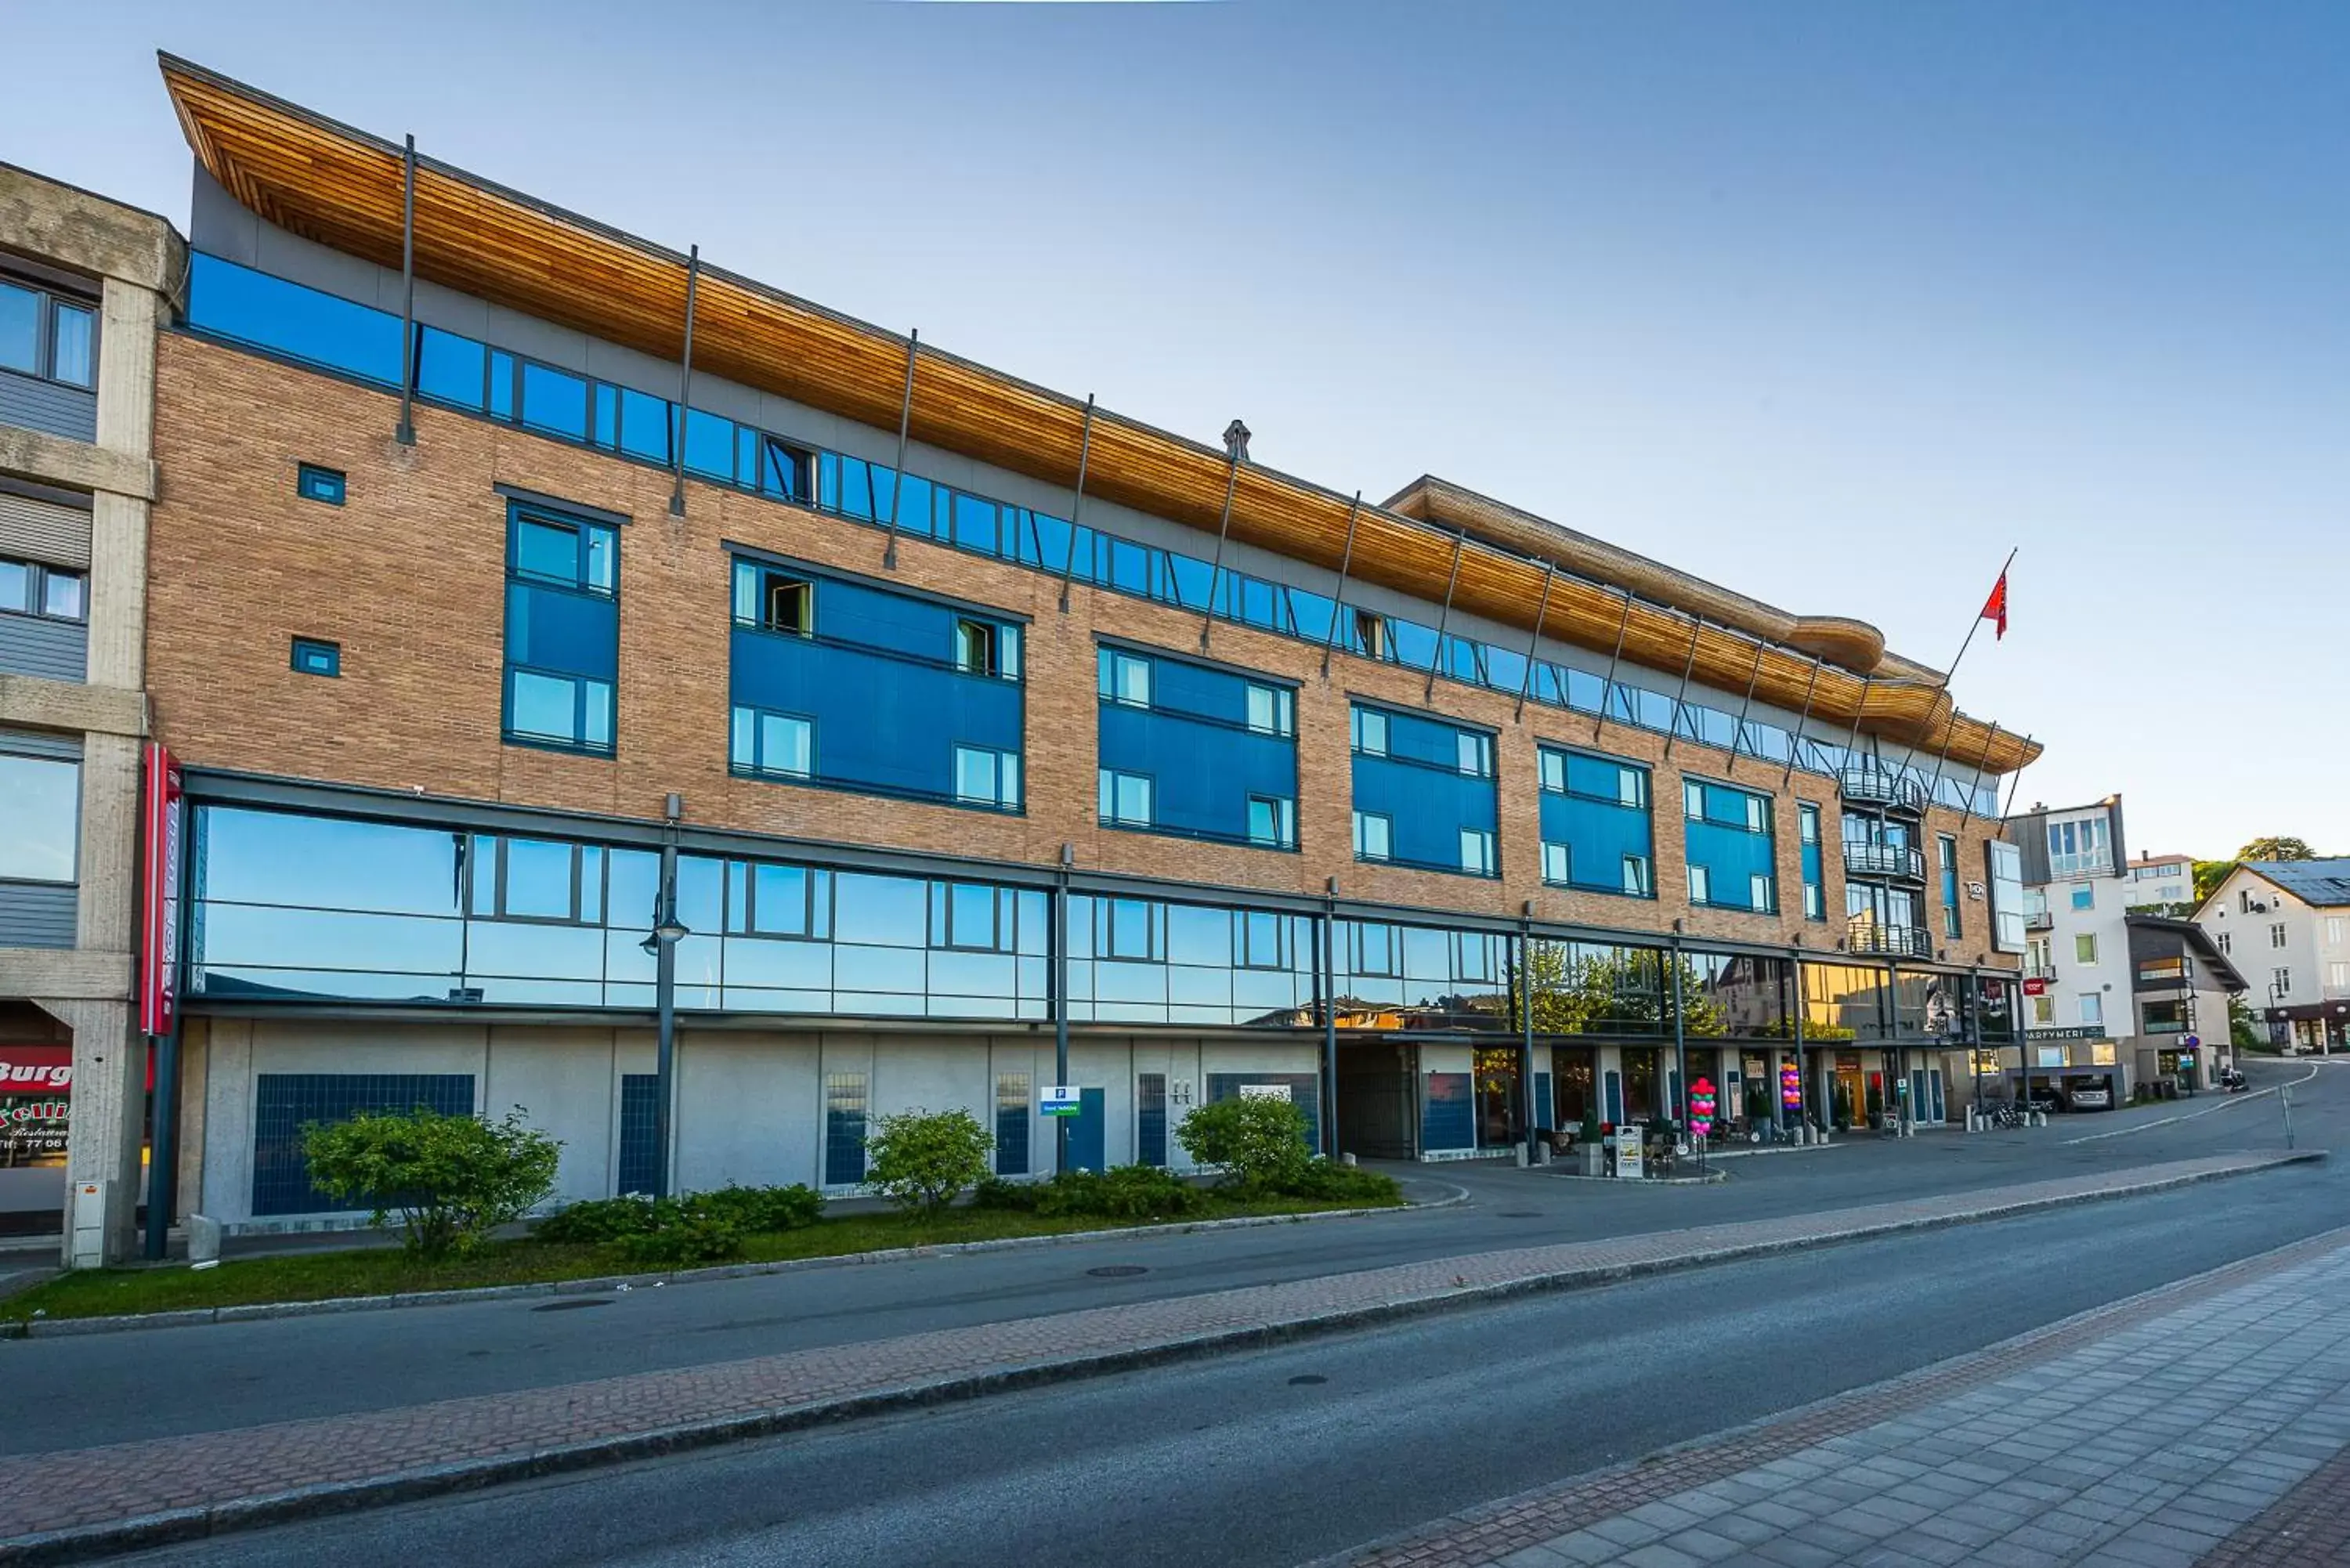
(1995, 608)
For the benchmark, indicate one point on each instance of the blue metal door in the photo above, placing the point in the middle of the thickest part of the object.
(1086, 1131)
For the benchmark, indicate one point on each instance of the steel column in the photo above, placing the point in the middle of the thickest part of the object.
(1989, 741)
(1542, 612)
(1608, 687)
(1216, 566)
(1678, 1101)
(684, 386)
(1738, 736)
(1795, 741)
(1077, 497)
(1059, 938)
(1346, 564)
(1680, 697)
(405, 432)
(665, 1004)
(898, 474)
(1443, 620)
(1325, 981)
(1526, 1036)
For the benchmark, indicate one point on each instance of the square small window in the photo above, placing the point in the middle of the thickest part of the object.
(976, 648)
(1272, 819)
(984, 777)
(1758, 818)
(786, 604)
(1475, 754)
(62, 594)
(2085, 897)
(1126, 798)
(312, 482)
(1372, 837)
(1271, 711)
(1757, 889)
(313, 657)
(1477, 851)
(1636, 876)
(1631, 787)
(1693, 801)
(1371, 733)
(1700, 883)
(1553, 772)
(1125, 677)
(1555, 865)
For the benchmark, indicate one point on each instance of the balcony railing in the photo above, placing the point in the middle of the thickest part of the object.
(2039, 920)
(2040, 971)
(1883, 786)
(1884, 860)
(1867, 936)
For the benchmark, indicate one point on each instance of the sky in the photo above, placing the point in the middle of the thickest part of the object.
(1834, 303)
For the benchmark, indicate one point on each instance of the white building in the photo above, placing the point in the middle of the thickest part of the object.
(2286, 926)
(2160, 881)
(2114, 998)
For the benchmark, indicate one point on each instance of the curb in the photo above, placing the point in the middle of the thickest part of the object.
(193, 1317)
(85, 1541)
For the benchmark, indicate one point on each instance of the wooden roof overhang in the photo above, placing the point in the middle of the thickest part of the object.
(342, 188)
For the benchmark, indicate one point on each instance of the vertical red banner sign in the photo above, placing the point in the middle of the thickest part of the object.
(161, 817)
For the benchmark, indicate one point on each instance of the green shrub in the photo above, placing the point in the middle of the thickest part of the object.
(921, 1160)
(1259, 1142)
(1322, 1182)
(680, 1234)
(598, 1221)
(451, 1179)
(761, 1210)
(995, 1192)
(1122, 1192)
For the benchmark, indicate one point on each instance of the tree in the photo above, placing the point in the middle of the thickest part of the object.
(2274, 848)
(1259, 1140)
(923, 1160)
(453, 1179)
(2208, 875)
(2243, 1032)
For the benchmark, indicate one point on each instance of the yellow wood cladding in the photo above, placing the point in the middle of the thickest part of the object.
(343, 188)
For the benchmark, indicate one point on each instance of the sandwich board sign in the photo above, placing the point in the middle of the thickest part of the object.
(1061, 1100)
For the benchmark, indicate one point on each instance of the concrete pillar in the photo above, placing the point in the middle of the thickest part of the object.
(110, 1104)
(107, 907)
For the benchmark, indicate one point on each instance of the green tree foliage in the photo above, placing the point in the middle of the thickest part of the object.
(2274, 848)
(921, 1160)
(451, 1179)
(2244, 1031)
(2208, 875)
(1259, 1140)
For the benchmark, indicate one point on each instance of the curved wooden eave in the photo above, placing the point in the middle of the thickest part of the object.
(342, 188)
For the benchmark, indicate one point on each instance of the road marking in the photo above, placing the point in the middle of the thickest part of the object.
(2229, 1104)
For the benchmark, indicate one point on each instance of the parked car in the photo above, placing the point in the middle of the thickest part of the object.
(2090, 1098)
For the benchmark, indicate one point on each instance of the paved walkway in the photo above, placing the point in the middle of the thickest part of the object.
(176, 1487)
(2209, 1422)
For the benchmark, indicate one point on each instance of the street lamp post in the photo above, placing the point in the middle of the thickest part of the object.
(667, 932)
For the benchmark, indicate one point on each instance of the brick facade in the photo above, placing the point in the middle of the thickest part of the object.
(409, 577)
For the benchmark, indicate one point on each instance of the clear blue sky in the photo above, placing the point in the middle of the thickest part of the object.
(1834, 301)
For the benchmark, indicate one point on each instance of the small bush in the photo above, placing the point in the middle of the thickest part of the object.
(749, 1210)
(680, 1234)
(598, 1221)
(995, 1192)
(1321, 1182)
(761, 1210)
(1259, 1142)
(1123, 1192)
(453, 1179)
(921, 1160)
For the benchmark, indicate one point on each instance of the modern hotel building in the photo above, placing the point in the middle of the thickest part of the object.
(979, 724)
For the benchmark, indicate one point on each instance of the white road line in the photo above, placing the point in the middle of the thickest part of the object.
(2229, 1104)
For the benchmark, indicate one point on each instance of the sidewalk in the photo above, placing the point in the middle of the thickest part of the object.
(2209, 1421)
(81, 1501)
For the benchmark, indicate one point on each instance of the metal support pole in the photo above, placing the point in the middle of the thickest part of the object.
(897, 473)
(1346, 564)
(665, 1005)
(1795, 741)
(1060, 941)
(1542, 612)
(1216, 566)
(1803, 1080)
(405, 432)
(1974, 1043)
(1853, 745)
(1327, 981)
(1678, 1101)
(684, 386)
(1680, 697)
(1989, 741)
(1534, 1115)
(1443, 620)
(1738, 736)
(1608, 687)
(1077, 497)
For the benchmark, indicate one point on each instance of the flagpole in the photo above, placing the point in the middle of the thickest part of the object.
(1973, 627)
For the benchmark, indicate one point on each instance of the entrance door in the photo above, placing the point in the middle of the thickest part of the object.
(1086, 1131)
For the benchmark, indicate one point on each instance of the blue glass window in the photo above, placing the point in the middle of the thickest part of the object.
(986, 777)
(236, 302)
(312, 482)
(1196, 750)
(1731, 854)
(554, 401)
(450, 370)
(1126, 799)
(1011, 1124)
(777, 744)
(1424, 793)
(1808, 821)
(313, 657)
(562, 629)
(1596, 827)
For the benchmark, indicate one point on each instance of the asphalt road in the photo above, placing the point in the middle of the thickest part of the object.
(1282, 1456)
(81, 1392)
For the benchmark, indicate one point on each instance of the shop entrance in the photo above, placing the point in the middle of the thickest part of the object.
(1379, 1109)
(1497, 1097)
(1574, 1089)
(1851, 1092)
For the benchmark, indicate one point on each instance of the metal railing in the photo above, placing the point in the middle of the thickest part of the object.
(2039, 920)
(1882, 786)
(1868, 936)
(1884, 860)
(2039, 971)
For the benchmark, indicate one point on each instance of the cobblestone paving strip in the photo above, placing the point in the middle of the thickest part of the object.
(2137, 1435)
(70, 1503)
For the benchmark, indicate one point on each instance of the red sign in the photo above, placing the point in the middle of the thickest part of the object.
(35, 1103)
(2036, 988)
(161, 815)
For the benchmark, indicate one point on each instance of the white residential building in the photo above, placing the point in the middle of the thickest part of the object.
(2114, 997)
(2155, 882)
(2286, 926)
